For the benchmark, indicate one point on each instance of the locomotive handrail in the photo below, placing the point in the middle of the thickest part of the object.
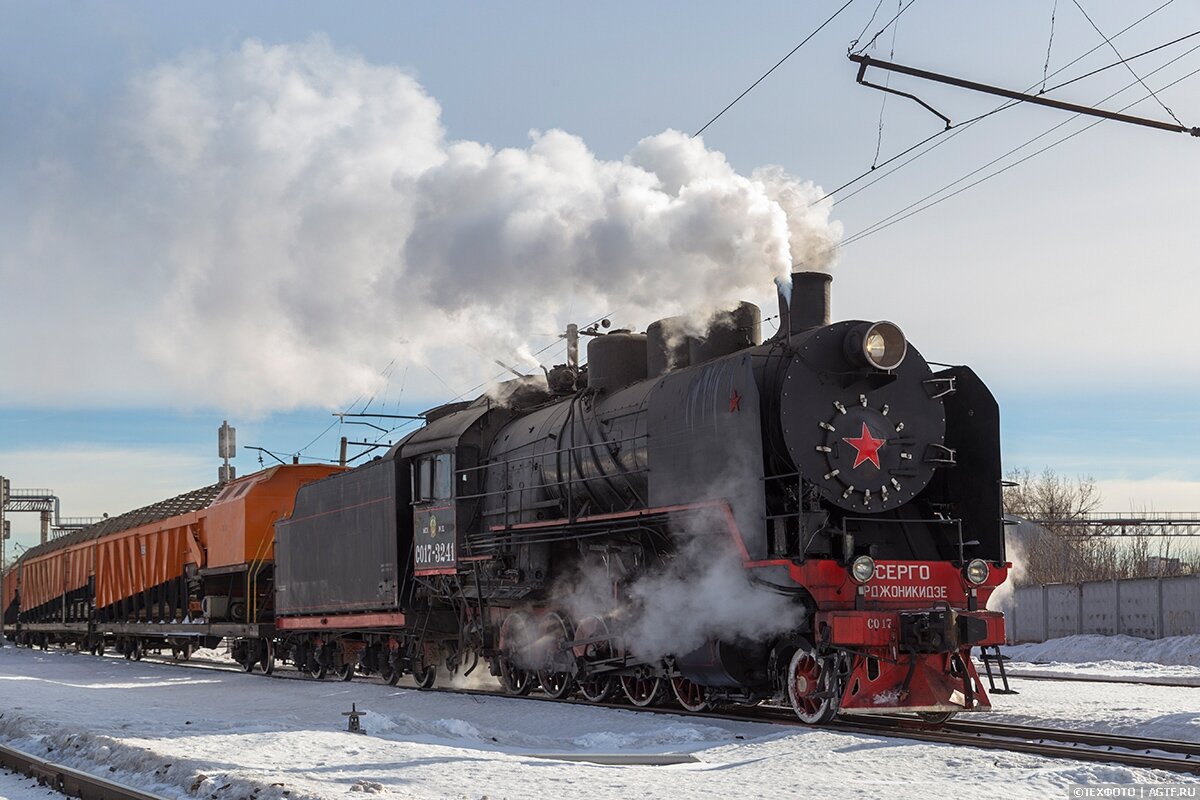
(935, 521)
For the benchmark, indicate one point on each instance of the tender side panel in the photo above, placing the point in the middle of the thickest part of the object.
(339, 551)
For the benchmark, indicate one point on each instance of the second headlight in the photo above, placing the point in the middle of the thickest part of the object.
(977, 571)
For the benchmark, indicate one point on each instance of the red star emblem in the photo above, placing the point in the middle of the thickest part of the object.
(735, 401)
(867, 447)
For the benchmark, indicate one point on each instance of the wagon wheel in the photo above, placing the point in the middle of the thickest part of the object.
(424, 675)
(812, 687)
(315, 668)
(181, 652)
(692, 696)
(644, 692)
(98, 647)
(936, 717)
(553, 634)
(344, 672)
(267, 659)
(390, 674)
(246, 655)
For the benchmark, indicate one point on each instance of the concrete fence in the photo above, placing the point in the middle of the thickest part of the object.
(1150, 608)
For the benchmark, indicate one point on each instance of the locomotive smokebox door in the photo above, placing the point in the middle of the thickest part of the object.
(435, 532)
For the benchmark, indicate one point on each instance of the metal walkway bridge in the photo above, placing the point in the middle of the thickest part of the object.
(46, 503)
(1105, 523)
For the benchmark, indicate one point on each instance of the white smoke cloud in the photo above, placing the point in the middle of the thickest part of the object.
(704, 593)
(1002, 598)
(291, 218)
(700, 592)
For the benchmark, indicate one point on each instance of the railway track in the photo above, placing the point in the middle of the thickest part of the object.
(67, 781)
(1076, 745)
(1182, 683)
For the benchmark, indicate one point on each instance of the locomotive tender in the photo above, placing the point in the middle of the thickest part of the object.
(849, 481)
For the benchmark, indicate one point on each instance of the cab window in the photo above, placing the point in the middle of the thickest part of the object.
(434, 478)
(442, 474)
(424, 479)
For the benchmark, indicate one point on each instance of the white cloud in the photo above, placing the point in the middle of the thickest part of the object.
(268, 227)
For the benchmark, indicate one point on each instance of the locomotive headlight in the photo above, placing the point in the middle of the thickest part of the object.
(977, 571)
(863, 569)
(880, 345)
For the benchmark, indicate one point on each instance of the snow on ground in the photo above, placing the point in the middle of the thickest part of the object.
(1172, 660)
(18, 787)
(195, 733)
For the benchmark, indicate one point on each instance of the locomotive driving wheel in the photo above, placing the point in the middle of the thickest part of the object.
(811, 686)
(594, 631)
(516, 635)
(691, 696)
(558, 680)
(644, 691)
(598, 689)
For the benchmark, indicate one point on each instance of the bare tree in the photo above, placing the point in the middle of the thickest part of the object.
(1055, 553)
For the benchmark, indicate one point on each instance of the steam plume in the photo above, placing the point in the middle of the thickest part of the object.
(294, 217)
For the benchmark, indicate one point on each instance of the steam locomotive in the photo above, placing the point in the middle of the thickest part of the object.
(852, 492)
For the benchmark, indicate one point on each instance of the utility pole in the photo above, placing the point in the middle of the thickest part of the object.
(4, 526)
(226, 449)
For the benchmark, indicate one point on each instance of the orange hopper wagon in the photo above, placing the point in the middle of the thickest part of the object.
(196, 565)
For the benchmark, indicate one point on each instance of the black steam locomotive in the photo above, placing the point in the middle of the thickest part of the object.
(855, 491)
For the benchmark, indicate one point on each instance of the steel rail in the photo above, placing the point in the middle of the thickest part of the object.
(68, 781)
(1166, 680)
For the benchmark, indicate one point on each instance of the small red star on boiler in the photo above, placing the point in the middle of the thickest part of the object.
(735, 401)
(867, 447)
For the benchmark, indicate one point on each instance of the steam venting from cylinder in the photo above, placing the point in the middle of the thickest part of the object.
(805, 303)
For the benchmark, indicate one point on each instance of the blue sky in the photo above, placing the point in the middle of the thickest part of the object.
(1066, 281)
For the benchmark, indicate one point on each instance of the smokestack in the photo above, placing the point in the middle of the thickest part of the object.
(809, 307)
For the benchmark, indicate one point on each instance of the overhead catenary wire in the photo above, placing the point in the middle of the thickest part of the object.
(1124, 61)
(750, 88)
(912, 208)
(887, 25)
(863, 32)
(1049, 45)
(961, 127)
(883, 105)
(1119, 63)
